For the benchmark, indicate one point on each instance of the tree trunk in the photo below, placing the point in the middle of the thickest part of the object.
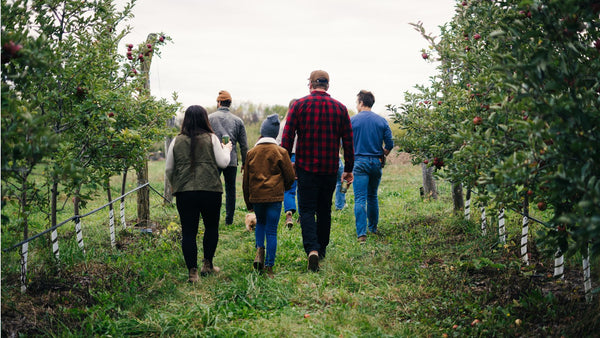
(53, 202)
(457, 197)
(429, 188)
(168, 193)
(143, 201)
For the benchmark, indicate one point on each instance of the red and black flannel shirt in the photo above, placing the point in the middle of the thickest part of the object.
(320, 121)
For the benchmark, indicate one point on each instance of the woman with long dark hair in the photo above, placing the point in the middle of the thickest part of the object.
(192, 167)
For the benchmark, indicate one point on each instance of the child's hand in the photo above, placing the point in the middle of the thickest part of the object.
(227, 146)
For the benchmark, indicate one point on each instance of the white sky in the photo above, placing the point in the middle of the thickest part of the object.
(263, 51)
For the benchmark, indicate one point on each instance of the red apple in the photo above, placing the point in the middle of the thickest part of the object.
(476, 36)
(467, 49)
(541, 206)
(149, 45)
(439, 103)
(425, 56)
(306, 315)
(529, 192)
(161, 38)
(141, 56)
(111, 114)
(464, 3)
(477, 120)
(426, 161)
(130, 46)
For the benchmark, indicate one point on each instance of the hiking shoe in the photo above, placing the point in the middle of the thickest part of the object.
(269, 271)
(313, 261)
(362, 239)
(193, 275)
(208, 268)
(259, 260)
(289, 221)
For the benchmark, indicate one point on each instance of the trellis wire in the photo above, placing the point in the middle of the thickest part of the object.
(54, 234)
(559, 259)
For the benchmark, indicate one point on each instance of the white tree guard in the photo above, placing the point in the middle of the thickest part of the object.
(54, 237)
(501, 227)
(524, 235)
(24, 254)
(111, 221)
(483, 222)
(559, 264)
(79, 233)
(587, 280)
(468, 209)
(122, 209)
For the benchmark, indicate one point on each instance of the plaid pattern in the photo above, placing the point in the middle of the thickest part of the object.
(320, 122)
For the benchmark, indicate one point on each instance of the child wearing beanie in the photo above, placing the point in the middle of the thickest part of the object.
(268, 172)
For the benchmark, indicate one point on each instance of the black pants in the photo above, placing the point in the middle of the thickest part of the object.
(190, 205)
(315, 192)
(229, 174)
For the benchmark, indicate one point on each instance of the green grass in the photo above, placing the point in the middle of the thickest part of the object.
(429, 273)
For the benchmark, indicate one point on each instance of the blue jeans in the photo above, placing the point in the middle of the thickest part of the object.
(289, 196)
(315, 192)
(267, 219)
(340, 197)
(367, 175)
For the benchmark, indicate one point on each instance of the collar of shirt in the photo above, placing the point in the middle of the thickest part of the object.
(224, 108)
(319, 92)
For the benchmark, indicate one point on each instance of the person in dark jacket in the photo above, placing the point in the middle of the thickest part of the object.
(224, 123)
(192, 167)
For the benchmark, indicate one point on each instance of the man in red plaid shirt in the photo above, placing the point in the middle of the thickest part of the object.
(320, 122)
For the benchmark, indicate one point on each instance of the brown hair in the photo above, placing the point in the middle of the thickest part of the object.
(366, 97)
(195, 122)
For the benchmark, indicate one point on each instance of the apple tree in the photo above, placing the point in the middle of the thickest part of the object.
(519, 92)
(68, 82)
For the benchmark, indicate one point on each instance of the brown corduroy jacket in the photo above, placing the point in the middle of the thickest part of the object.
(268, 173)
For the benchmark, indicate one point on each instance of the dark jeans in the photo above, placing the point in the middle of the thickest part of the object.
(190, 205)
(229, 175)
(315, 192)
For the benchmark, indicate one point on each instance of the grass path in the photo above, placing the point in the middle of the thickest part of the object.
(427, 274)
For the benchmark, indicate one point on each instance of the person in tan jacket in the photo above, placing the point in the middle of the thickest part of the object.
(268, 173)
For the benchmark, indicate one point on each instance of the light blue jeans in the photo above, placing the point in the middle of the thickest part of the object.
(267, 220)
(367, 175)
(340, 198)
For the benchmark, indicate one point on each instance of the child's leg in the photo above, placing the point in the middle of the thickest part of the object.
(273, 211)
(260, 210)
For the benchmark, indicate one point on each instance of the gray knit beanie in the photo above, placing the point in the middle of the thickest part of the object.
(270, 126)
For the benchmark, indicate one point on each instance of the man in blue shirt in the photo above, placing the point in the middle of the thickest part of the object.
(370, 132)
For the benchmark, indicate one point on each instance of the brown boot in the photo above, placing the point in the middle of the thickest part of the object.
(269, 271)
(193, 275)
(208, 268)
(289, 221)
(259, 260)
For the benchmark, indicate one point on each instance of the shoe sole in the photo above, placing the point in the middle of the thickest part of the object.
(313, 263)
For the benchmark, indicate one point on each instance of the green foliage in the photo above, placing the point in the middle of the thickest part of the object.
(513, 112)
(73, 109)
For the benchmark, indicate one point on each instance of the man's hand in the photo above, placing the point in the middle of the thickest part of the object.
(348, 177)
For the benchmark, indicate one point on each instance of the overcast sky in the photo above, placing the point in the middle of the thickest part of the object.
(263, 51)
